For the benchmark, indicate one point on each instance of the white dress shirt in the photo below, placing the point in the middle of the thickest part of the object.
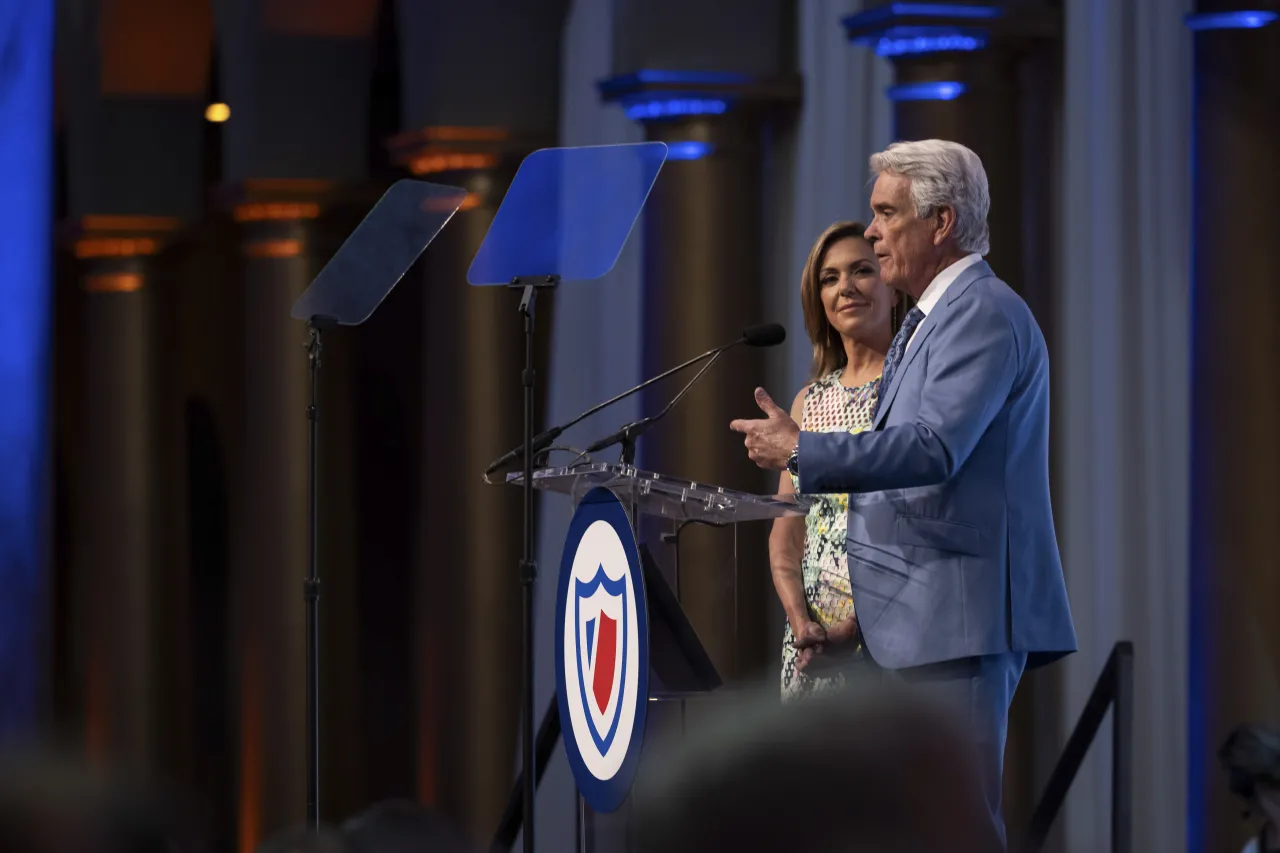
(933, 293)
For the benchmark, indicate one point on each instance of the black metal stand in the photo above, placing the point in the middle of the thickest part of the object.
(529, 287)
(311, 584)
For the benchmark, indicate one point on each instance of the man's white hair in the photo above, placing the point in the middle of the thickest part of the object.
(943, 174)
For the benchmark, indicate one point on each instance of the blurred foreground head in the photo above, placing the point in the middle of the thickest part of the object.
(51, 803)
(303, 839)
(870, 770)
(401, 826)
(1251, 757)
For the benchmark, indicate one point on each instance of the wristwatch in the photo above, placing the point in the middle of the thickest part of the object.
(793, 461)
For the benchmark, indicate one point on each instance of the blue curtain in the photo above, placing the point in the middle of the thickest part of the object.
(26, 121)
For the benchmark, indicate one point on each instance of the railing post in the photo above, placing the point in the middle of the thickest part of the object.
(1122, 751)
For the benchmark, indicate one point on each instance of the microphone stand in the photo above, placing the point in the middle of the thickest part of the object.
(540, 442)
(627, 435)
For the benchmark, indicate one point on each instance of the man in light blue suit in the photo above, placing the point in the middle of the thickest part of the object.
(953, 562)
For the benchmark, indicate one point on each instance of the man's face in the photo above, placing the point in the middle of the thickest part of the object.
(904, 244)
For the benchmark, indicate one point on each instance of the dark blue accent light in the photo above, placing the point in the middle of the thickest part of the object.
(690, 78)
(1239, 20)
(905, 29)
(924, 10)
(668, 106)
(690, 150)
(939, 90)
(913, 41)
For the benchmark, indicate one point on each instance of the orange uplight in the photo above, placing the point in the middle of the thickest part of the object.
(217, 113)
(108, 222)
(276, 211)
(249, 817)
(113, 247)
(119, 282)
(273, 249)
(426, 164)
(471, 201)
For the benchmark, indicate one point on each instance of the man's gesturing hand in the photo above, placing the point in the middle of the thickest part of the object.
(770, 441)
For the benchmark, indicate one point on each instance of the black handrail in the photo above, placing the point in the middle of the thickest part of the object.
(1113, 689)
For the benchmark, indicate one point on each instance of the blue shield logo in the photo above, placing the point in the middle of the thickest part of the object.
(602, 650)
(600, 614)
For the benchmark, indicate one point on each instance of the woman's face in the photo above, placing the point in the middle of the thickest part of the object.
(858, 304)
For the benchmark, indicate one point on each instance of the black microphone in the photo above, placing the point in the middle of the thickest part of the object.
(764, 335)
(767, 335)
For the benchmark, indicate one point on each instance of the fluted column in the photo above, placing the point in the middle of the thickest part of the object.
(981, 76)
(116, 511)
(1235, 637)
(133, 166)
(703, 283)
(464, 128)
(290, 157)
(272, 513)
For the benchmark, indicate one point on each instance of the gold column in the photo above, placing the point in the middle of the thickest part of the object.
(703, 233)
(283, 244)
(117, 537)
(468, 645)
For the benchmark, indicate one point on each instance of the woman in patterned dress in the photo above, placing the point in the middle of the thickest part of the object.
(849, 314)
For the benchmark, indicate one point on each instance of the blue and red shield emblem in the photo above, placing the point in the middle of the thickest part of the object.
(601, 609)
(602, 650)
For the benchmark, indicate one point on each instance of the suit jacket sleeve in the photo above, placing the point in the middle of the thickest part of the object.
(972, 365)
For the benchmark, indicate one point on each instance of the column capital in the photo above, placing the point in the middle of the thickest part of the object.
(113, 246)
(453, 148)
(272, 212)
(662, 94)
(905, 31)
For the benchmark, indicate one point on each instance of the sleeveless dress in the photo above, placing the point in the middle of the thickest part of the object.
(828, 407)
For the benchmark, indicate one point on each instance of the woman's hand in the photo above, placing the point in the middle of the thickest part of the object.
(826, 657)
(807, 639)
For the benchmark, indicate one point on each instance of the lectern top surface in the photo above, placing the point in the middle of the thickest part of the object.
(662, 495)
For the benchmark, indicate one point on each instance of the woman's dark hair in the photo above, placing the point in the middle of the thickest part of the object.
(1251, 757)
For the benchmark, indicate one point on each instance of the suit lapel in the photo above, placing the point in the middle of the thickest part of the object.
(931, 321)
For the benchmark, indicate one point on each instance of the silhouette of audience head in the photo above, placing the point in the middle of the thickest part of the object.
(402, 826)
(1251, 757)
(865, 770)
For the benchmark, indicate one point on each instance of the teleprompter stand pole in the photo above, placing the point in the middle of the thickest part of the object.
(529, 287)
(311, 585)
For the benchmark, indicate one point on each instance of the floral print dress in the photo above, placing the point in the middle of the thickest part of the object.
(828, 407)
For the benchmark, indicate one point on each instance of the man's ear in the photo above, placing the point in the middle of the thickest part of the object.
(944, 219)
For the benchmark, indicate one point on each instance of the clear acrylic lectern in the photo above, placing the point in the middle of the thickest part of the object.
(681, 667)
